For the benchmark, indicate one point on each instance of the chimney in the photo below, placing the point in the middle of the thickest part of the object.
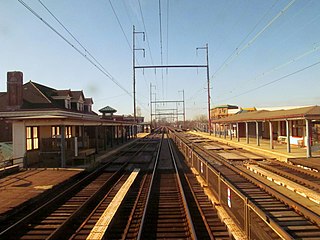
(15, 90)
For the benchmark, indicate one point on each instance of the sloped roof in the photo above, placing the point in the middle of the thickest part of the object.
(107, 109)
(64, 93)
(39, 97)
(47, 91)
(312, 112)
(76, 95)
(33, 94)
(88, 101)
(226, 106)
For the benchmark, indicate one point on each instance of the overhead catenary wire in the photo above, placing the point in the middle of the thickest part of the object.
(116, 15)
(145, 30)
(167, 48)
(108, 75)
(239, 45)
(161, 55)
(245, 38)
(125, 35)
(272, 70)
(95, 63)
(69, 32)
(168, 5)
(273, 81)
(64, 27)
(239, 51)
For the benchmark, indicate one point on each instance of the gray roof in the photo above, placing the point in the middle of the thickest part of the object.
(107, 109)
(312, 112)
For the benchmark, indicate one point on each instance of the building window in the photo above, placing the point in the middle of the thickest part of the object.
(80, 106)
(32, 138)
(68, 132)
(55, 132)
(67, 103)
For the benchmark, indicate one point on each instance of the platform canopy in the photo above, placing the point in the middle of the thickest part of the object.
(310, 113)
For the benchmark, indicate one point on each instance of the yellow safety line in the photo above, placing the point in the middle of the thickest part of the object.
(102, 225)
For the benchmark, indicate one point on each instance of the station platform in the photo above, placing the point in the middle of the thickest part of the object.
(279, 152)
(17, 189)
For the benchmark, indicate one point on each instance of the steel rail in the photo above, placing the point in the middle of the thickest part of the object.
(200, 209)
(59, 231)
(91, 214)
(97, 207)
(185, 204)
(291, 176)
(224, 178)
(298, 207)
(126, 230)
(150, 187)
(51, 202)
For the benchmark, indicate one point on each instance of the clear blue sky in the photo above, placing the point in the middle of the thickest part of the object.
(252, 48)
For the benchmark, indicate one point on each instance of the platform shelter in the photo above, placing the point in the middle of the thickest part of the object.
(294, 127)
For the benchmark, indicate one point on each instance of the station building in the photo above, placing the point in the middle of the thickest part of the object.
(56, 126)
(299, 126)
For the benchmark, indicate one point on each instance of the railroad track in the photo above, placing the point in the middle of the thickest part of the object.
(165, 200)
(283, 216)
(176, 204)
(299, 175)
(60, 216)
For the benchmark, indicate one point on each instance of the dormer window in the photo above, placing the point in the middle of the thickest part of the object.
(88, 105)
(80, 106)
(67, 103)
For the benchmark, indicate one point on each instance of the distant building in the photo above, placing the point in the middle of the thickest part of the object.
(223, 111)
(46, 124)
(249, 109)
(289, 125)
(33, 97)
(108, 113)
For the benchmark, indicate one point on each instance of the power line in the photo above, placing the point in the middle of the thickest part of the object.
(238, 52)
(243, 40)
(120, 25)
(293, 60)
(124, 34)
(166, 83)
(145, 30)
(74, 47)
(273, 81)
(161, 55)
(73, 36)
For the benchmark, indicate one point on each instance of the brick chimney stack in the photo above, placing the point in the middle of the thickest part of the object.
(15, 90)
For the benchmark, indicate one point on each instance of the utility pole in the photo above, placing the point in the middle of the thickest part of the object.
(150, 106)
(134, 71)
(134, 77)
(184, 109)
(151, 102)
(208, 86)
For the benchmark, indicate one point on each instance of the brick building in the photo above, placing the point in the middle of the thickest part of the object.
(44, 123)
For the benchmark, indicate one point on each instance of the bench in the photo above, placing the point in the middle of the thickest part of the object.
(84, 154)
